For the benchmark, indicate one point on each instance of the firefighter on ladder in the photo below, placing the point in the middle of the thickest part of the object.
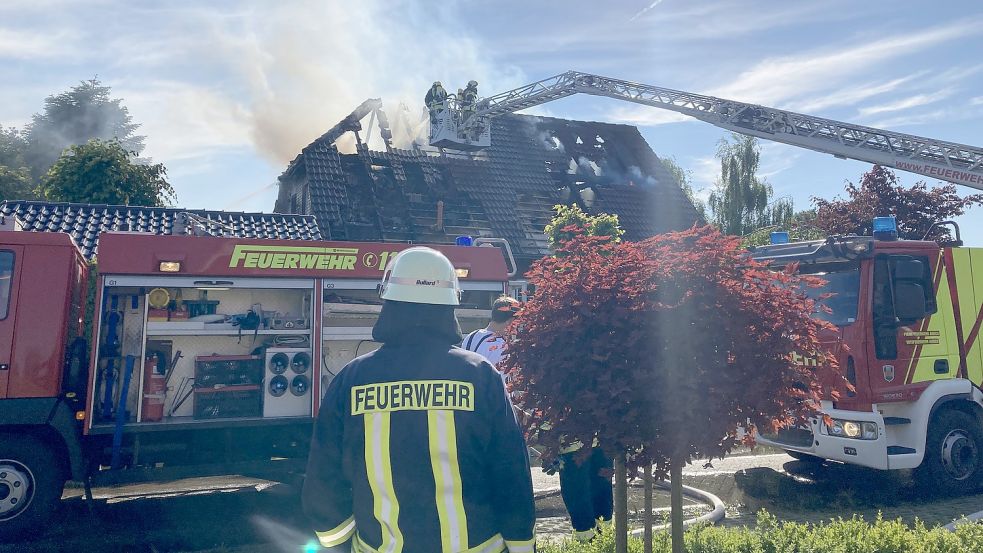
(435, 99)
(415, 448)
(468, 98)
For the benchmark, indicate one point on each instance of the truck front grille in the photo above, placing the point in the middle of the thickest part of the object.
(798, 437)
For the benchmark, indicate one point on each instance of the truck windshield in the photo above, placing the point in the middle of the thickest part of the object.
(844, 285)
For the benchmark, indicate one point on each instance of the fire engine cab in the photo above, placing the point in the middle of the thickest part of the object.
(908, 317)
(209, 355)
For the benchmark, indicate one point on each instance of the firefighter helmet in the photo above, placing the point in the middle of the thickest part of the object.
(421, 275)
(472, 83)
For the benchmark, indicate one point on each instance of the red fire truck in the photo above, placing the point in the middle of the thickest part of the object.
(908, 317)
(209, 355)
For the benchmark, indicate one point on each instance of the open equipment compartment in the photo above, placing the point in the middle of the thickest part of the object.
(205, 349)
(261, 326)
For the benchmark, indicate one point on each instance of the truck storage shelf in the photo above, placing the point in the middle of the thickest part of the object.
(343, 309)
(221, 332)
(177, 423)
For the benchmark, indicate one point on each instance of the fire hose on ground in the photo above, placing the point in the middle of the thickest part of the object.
(715, 515)
(975, 517)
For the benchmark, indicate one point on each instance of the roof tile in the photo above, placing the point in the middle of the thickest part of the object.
(84, 222)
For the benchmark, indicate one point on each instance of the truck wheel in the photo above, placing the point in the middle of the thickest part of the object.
(31, 484)
(804, 457)
(953, 461)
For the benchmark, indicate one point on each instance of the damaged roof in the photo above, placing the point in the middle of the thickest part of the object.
(508, 191)
(84, 222)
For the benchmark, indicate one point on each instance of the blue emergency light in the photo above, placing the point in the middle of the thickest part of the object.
(885, 228)
(779, 237)
(464, 241)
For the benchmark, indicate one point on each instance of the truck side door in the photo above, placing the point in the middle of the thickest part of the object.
(912, 340)
(10, 257)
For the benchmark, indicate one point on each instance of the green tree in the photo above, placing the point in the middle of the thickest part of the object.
(684, 177)
(558, 230)
(741, 201)
(84, 112)
(801, 226)
(15, 178)
(104, 172)
(15, 184)
(12, 147)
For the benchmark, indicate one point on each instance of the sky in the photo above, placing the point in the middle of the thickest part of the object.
(228, 92)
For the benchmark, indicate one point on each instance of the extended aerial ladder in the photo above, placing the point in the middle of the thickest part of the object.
(467, 127)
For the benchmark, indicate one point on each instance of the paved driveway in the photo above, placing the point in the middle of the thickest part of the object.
(235, 514)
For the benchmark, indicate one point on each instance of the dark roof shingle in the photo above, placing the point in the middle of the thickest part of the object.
(507, 191)
(84, 222)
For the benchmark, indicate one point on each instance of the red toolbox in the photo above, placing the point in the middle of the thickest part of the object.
(228, 370)
(229, 402)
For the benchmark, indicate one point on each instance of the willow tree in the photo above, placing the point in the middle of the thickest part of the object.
(741, 201)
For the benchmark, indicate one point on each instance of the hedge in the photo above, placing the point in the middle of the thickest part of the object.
(854, 535)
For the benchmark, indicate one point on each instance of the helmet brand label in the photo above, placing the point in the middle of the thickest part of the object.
(421, 282)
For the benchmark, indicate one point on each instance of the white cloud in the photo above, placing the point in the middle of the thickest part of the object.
(20, 7)
(646, 10)
(778, 80)
(706, 171)
(304, 65)
(645, 115)
(184, 121)
(819, 80)
(777, 158)
(852, 95)
(976, 101)
(714, 21)
(906, 103)
(16, 44)
(958, 73)
(909, 119)
(268, 76)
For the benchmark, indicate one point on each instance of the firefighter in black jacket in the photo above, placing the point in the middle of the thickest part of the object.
(415, 449)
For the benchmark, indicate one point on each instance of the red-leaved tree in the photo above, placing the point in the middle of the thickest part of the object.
(879, 194)
(664, 348)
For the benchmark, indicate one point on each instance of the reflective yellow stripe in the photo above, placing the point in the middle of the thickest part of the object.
(359, 546)
(339, 534)
(525, 546)
(494, 544)
(379, 469)
(447, 480)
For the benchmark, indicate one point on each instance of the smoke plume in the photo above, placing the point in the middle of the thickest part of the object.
(306, 64)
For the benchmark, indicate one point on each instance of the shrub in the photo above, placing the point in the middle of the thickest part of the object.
(853, 535)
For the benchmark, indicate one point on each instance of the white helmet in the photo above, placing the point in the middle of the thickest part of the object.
(421, 275)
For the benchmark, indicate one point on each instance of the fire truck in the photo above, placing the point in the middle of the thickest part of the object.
(907, 315)
(208, 355)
